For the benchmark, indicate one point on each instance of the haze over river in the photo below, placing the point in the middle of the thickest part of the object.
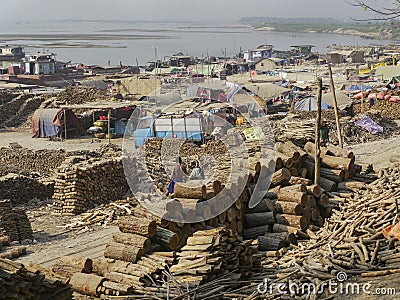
(97, 42)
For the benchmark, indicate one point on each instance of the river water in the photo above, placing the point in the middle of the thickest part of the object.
(128, 41)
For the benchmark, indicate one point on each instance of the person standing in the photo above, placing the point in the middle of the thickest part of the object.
(178, 174)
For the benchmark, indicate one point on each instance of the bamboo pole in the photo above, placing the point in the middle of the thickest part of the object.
(317, 135)
(108, 126)
(335, 107)
(65, 124)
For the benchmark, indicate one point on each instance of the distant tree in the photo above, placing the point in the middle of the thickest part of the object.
(382, 10)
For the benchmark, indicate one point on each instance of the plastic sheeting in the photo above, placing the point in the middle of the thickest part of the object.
(370, 125)
(309, 104)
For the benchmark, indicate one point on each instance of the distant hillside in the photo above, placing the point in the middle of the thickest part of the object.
(259, 20)
(378, 30)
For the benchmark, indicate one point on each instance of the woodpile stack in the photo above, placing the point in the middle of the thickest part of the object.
(294, 207)
(17, 282)
(351, 241)
(23, 116)
(14, 223)
(198, 261)
(21, 189)
(82, 184)
(11, 107)
(41, 161)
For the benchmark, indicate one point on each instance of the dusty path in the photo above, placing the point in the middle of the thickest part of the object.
(378, 153)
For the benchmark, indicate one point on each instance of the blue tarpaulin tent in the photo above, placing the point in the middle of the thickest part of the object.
(309, 104)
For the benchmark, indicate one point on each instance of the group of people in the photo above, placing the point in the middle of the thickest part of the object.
(180, 174)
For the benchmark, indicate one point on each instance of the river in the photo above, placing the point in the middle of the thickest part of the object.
(97, 42)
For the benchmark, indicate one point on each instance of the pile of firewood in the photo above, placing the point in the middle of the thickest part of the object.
(81, 184)
(21, 189)
(23, 116)
(14, 222)
(351, 241)
(41, 161)
(198, 263)
(10, 108)
(17, 282)
(294, 208)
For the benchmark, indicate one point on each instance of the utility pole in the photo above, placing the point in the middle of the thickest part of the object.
(318, 134)
(335, 107)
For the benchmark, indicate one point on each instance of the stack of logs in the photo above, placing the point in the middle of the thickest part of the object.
(294, 207)
(21, 189)
(42, 161)
(17, 282)
(87, 183)
(14, 222)
(198, 261)
(352, 241)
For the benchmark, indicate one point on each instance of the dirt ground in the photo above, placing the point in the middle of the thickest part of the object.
(52, 240)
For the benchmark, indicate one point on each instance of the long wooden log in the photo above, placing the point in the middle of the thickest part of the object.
(291, 208)
(314, 190)
(264, 206)
(141, 226)
(293, 221)
(252, 233)
(166, 238)
(293, 196)
(337, 151)
(337, 162)
(285, 228)
(328, 185)
(123, 252)
(133, 240)
(182, 191)
(280, 176)
(259, 219)
(87, 284)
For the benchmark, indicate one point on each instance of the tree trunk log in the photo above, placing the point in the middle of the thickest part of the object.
(132, 240)
(123, 252)
(252, 233)
(293, 221)
(141, 226)
(166, 238)
(259, 219)
(181, 191)
(87, 284)
(288, 195)
(291, 208)
(280, 176)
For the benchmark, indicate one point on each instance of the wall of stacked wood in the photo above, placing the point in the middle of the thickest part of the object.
(41, 161)
(81, 183)
(17, 282)
(294, 208)
(21, 189)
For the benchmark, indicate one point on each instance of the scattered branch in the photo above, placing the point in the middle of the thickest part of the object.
(381, 14)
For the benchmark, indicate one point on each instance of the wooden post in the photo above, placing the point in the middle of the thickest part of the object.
(317, 134)
(65, 124)
(362, 98)
(108, 126)
(335, 107)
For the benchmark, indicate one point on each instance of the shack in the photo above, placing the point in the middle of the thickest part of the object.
(50, 122)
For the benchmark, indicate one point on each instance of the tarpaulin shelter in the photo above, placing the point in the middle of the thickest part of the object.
(49, 122)
(309, 104)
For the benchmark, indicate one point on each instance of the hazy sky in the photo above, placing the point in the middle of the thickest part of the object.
(196, 10)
